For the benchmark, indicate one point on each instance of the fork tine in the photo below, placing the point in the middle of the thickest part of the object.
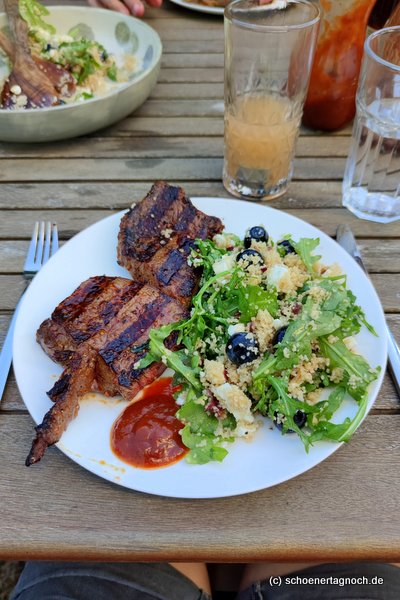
(54, 239)
(44, 243)
(40, 245)
(30, 257)
(47, 242)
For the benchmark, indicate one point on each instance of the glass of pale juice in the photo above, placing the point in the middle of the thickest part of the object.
(371, 183)
(269, 50)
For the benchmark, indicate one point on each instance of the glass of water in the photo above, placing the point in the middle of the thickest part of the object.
(371, 184)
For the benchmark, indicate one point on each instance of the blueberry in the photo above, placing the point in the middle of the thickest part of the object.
(299, 418)
(257, 233)
(48, 47)
(287, 247)
(280, 334)
(242, 348)
(249, 257)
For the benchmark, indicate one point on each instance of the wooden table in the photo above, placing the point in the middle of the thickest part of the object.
(345, 508)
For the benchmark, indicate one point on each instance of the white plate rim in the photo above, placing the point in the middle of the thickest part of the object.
(211, 10)
(210, 205)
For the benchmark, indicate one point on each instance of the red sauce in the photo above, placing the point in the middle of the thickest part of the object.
(146, 434)
(330, 102)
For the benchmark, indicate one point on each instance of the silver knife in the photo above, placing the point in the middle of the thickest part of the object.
(346, 239)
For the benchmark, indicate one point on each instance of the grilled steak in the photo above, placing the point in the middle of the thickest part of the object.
(101, 333)
(85, 312)
(156, 237)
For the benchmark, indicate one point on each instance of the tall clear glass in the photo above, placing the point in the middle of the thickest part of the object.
(371, 184)
(268, 56)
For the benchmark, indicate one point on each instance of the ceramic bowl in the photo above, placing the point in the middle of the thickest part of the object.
(120, 35)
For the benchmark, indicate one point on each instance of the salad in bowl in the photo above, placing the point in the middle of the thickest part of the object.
(100, 65)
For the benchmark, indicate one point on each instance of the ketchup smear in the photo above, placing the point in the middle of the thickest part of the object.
(146, 434)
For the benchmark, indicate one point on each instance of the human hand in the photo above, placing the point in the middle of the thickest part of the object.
(127, 7)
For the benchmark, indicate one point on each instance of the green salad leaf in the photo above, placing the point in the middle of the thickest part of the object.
(32, 12)
(305, 248)
(357, 372)
(199, 433)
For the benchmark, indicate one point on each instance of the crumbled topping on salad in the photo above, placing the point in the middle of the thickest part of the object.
(263, 326)
(214, 372)
(270, 334)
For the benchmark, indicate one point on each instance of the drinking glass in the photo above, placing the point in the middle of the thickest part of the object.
(371, 184)
(268, 56)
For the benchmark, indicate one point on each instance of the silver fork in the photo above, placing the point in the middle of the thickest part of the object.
(44, 243)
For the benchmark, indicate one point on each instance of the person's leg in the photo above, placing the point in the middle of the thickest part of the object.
(102, 581)
(330, 581)
(196, 572)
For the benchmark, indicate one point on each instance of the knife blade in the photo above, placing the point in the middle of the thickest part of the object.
(345, 238)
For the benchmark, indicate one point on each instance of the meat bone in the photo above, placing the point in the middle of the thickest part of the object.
(41, 81)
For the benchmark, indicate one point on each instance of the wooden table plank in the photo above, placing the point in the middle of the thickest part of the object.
(18, 224)
(120, 195)
(184, 137)
(202, 60)
(151, 168)
(169, 91)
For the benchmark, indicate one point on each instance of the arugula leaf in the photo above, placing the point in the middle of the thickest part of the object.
(112, 72)
(252, 298)
(287, 406)
(354, 318)
(304, 247)
(358, 373)
(325, 409)
(202, 448)
(340, 432)
(200, 421)
(175, 360)
(78, 55)
(32, 12)
(205, 254)
(199, 434)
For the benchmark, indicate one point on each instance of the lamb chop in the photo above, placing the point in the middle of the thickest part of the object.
(100, 333)
(156, 237)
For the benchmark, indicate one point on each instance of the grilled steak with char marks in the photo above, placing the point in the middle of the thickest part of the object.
(156, 237)
(102, 332)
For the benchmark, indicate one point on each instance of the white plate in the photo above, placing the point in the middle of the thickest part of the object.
(211, 10)
(266, 461)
